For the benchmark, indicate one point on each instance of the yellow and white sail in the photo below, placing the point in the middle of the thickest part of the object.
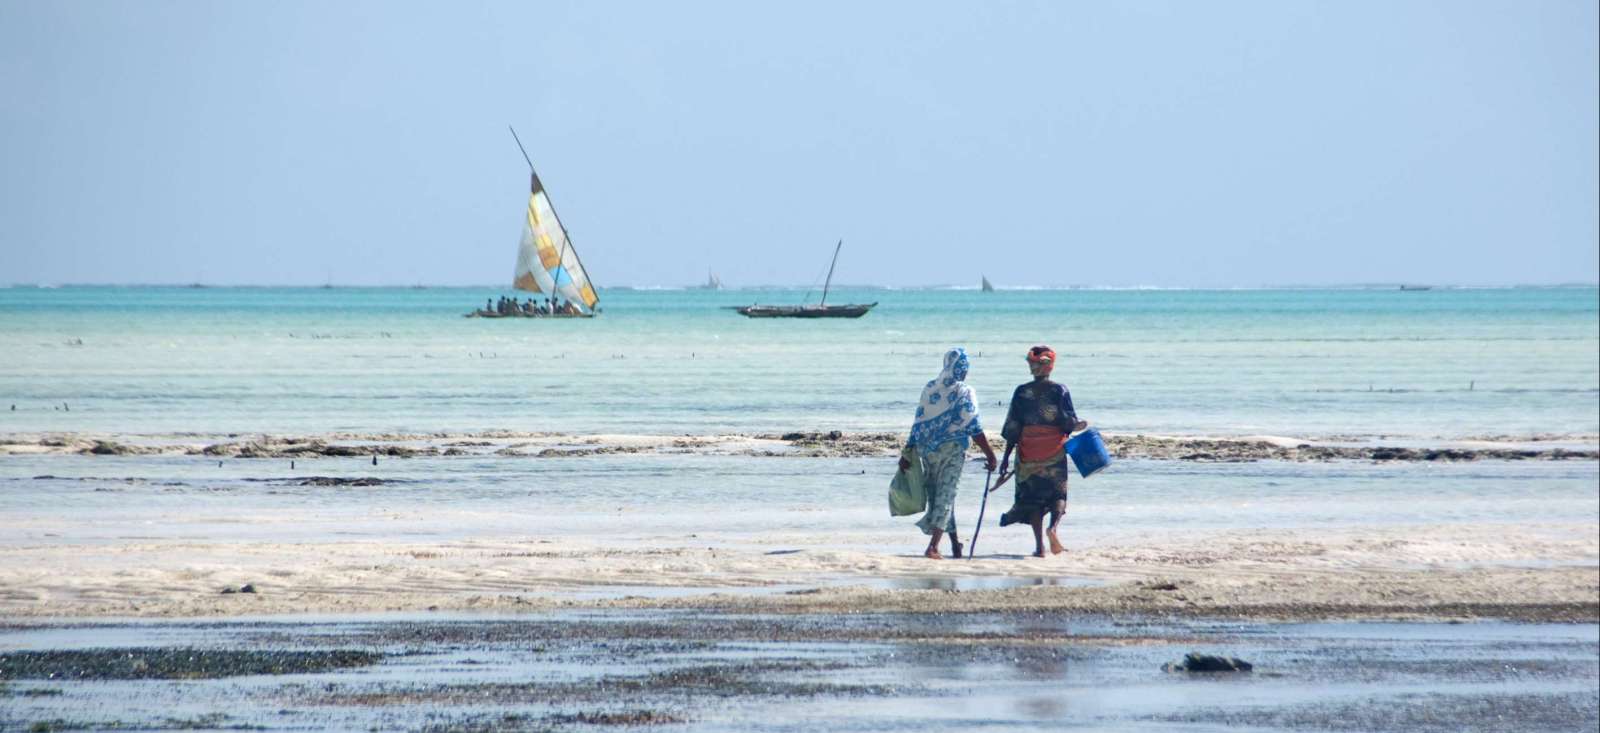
(546, 261)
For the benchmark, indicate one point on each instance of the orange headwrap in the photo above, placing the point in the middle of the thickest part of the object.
(1041, 360)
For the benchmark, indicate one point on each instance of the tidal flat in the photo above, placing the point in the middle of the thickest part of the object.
(705, 671)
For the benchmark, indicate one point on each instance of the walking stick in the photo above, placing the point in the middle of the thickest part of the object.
(981, 507)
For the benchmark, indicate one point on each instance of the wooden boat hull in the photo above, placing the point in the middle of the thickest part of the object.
(854, 310)
(493, 314)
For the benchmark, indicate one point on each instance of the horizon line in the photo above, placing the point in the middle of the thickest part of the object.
(860, 286)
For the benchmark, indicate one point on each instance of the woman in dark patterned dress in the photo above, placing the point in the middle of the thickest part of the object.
(1037, 427)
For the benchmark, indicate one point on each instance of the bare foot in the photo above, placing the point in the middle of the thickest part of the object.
(1039, 552)
(1055, 543)
(955, 549)
(933, 554)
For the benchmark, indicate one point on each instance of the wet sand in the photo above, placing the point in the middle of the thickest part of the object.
(701, 671)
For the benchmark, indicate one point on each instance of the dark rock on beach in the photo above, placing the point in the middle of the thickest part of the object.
(286, 448)
(1393, 454)
(340, 481)
(836, 443)
(1193, 662)
(624, 718)
(111, 448)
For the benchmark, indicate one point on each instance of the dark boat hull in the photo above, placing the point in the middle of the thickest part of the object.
(854, 310)
(493, 314)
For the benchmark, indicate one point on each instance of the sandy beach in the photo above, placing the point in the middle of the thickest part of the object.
(1276, 576)
(1525, 570)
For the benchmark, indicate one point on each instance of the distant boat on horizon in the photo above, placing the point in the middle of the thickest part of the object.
(821, 310)
(1416, 287)
(987, 287)
(712, 281)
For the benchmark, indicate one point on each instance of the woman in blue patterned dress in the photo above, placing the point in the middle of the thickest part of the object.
(946, 421)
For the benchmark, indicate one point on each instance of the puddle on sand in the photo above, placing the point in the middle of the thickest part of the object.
(871, 672)
(976, 583)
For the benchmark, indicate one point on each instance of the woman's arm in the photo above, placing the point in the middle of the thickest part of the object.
(1069, 417)
(988, 452)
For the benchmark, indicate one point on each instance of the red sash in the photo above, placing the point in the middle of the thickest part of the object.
(1041, 443)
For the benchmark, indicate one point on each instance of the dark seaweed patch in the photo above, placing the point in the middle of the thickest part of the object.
(143, 663)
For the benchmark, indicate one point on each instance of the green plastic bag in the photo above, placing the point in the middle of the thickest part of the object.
(907, 495)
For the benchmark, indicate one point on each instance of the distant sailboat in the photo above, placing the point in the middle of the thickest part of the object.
(712, 281)
(821, 310)
(547, 262)
(987, 287)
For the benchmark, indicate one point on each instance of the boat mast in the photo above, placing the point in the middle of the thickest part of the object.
(566, 239)
(829, 281)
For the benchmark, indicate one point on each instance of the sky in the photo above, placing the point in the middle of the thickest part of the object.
(1178, 144)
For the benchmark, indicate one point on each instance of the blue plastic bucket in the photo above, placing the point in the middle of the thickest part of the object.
(1088, 452)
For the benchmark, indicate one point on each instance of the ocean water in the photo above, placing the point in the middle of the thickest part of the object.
(1357, 363)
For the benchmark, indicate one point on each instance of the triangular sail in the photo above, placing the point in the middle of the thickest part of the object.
(987, 288)
(546, 261)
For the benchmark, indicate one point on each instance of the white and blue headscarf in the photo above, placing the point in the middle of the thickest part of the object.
(948, 410)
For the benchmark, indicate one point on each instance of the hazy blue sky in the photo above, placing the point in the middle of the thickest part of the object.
(1154, 143)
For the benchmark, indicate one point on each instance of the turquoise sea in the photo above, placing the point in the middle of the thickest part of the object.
(224, 364)
(1361, 363)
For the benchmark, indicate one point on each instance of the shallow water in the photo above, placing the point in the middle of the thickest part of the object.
(699, 500)
(1292, 362)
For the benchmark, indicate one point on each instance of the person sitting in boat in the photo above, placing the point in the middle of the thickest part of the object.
(488, 305)
(1040, 420)
(946, 421)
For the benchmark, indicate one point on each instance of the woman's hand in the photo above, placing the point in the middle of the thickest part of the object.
(988, 452)
(1082, 425)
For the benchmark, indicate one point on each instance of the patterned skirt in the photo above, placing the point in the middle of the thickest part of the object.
(941, 472)
(1039, 485)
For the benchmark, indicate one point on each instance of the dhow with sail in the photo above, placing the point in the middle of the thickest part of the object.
(547, 264)
(821, 310)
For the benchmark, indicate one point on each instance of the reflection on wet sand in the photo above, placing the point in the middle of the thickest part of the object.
(717, 672)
